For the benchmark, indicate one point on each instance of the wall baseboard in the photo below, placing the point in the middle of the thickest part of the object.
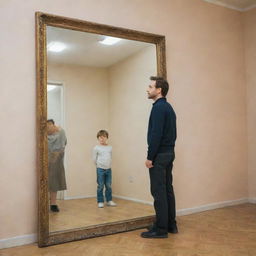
(32, 238)
(230, 6)
(17, 241)
(212, 206)
(252, 200)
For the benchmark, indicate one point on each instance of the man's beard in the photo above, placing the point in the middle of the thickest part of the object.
(150, 96)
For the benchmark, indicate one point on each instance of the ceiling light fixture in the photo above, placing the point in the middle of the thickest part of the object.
(56, 47)
(110, 40)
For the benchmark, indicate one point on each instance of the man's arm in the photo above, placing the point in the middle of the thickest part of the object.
(157, 121)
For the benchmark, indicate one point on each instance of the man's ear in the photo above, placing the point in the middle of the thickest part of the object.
(159, 90)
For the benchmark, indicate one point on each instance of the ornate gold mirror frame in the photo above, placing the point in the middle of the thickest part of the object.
(45, 238)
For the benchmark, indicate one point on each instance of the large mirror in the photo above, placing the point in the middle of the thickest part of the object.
(92, 79)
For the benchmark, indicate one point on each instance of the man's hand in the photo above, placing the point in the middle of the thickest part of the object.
(148, 163)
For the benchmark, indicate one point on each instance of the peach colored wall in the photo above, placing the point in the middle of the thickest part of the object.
(249, 19)
(205, 64)
(205, 59)
(86, 101)
(130, 108)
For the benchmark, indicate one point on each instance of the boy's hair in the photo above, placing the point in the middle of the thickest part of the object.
(161, 83)
(103, 133)
(50, 121)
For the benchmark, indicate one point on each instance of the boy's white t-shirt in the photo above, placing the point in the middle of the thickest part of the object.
(102, 156)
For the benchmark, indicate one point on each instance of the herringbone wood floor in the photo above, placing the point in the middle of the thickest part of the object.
(229, 231)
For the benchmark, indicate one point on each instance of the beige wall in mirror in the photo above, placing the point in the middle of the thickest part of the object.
(101, 94)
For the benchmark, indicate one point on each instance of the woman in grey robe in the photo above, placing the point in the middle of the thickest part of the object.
(56, 147)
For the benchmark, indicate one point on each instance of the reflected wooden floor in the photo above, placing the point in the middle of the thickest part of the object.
(228, 231)
(79, 213)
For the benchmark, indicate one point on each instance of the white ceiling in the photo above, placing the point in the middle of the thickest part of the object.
(240, 5)
(84, 48)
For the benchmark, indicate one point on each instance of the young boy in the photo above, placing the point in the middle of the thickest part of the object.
(102, 157)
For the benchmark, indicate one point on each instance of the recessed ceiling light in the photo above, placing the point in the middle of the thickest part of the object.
(56, 47)
(110, 40)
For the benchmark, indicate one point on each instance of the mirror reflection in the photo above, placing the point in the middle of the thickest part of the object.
(97, 121)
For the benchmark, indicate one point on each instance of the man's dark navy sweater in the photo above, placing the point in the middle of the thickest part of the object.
(161, 129)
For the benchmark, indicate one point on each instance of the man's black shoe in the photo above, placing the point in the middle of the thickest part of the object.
(173, 230)
(153, 234)
(55, 208)
(152, 227)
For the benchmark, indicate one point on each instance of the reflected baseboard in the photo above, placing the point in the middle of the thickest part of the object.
(78, 197)
(116, 196)
(133, 199)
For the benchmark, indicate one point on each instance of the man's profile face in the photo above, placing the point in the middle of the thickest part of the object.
(152, 91)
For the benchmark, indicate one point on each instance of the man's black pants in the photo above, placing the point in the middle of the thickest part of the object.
(162, 191)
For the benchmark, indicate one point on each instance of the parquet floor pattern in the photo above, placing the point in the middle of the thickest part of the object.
(229, 231)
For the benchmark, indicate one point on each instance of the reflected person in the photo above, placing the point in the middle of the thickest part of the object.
(102, 157)
(161, 141)
(56, 148)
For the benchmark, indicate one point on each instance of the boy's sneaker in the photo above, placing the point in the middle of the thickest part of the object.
(111, 203)
(100, 205)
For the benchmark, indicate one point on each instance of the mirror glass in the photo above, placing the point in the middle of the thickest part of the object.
(97, 83)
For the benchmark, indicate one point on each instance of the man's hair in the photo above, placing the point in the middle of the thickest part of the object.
(103, 133)
(161, 83)
(50, 121)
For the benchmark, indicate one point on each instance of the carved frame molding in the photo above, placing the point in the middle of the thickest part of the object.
(45, 238)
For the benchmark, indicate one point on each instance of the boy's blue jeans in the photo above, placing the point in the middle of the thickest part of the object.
(104, 177)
